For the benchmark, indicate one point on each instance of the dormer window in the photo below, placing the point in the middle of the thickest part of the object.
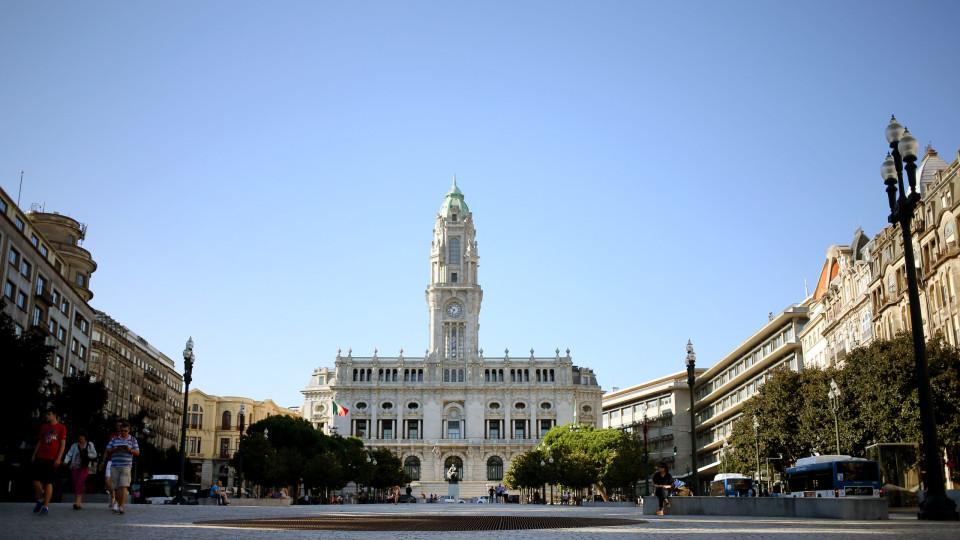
(453, 217)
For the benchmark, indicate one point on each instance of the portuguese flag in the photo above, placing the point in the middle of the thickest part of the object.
(339, 409)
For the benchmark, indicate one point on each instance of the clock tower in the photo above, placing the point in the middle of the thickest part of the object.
(453, 296)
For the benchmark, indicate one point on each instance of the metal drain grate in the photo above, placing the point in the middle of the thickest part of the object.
(420, 523)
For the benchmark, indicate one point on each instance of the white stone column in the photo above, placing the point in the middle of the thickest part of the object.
(398, 430)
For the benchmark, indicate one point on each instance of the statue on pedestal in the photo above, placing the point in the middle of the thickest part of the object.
(452, 475)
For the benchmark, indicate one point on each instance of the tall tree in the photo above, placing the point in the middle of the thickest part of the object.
(389, 470)
(81, 404)
(878, 403)
(25, 358)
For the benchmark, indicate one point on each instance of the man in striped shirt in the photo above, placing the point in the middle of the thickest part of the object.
(120, 452)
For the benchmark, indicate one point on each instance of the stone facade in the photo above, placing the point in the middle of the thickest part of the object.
(937, 257)
(46, 282)
(841, 318)
(935, 251)
(138, 377)
(453, 405)
(213, 432)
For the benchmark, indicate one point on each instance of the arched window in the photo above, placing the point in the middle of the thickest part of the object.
(226, 420)
(526, 375)
(355, 375)
(363, 375)
(538, 375)
(412, 466)
(453, 460)
(406, 375)
(419, 375)
(454, 255)
(513, 376)
(891, 285)
(551, 376)
(486, 375)
(500, 372)
(949, 233)
(494, 469)
(196, 417)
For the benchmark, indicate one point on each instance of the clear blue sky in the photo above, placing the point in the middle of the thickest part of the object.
(265, 176)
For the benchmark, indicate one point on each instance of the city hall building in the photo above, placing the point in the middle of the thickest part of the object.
(454, 406)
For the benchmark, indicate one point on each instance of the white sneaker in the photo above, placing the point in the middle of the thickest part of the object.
(115, 507)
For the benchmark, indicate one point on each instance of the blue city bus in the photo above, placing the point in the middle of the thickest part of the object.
(834, 476)
(734, 485)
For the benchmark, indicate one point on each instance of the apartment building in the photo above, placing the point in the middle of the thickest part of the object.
(46, 282)
(659, 410)
(138, 377)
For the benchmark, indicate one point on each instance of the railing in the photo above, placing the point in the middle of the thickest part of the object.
(46, 296)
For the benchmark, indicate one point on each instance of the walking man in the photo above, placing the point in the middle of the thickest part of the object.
(120, 452)
(51, 442)
(106, 466)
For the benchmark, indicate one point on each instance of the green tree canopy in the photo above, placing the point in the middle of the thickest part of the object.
(583, 456)
(878, 403)
(25, 359)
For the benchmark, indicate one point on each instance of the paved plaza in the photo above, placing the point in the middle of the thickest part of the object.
(163, 522)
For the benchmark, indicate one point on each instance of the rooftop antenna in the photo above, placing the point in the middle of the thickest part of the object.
(20, 190)
(806, 291)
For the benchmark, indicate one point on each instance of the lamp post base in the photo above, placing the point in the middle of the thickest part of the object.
(938, 507)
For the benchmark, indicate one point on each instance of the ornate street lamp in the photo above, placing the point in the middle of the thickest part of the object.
(769, 483)
(188, 359)
(242, 418)
(552, 479)
(543, 488)
(834, 395)
(543, 467)
(756, 435)
(646, 454)
(691, 379)
(903, 148)
(723, 455)
(371, 464)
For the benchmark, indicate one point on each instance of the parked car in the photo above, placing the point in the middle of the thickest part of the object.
(407, 498)
(449, 499)
(483, 499)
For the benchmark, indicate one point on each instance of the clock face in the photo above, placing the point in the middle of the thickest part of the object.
(454, 309)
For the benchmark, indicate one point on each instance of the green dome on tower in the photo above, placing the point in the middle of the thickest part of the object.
(454, 199)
